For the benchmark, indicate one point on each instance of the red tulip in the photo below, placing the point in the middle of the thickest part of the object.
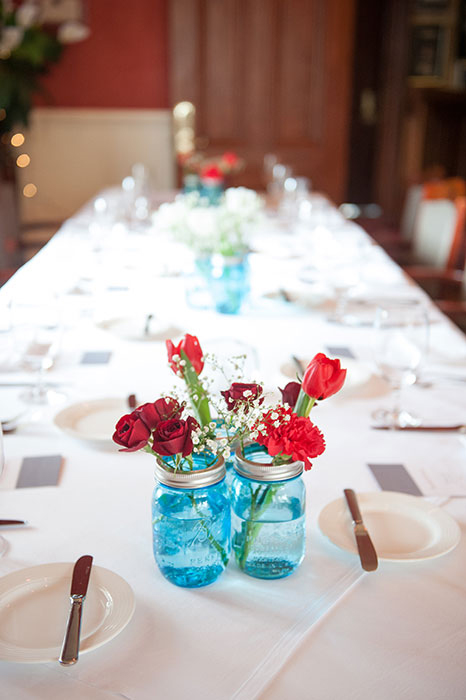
(191, 348)
(323, 377)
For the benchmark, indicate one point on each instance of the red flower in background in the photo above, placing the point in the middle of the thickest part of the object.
(295, 435)
(230, 159)
(162, 409)
(131, 432)
(323, 377)
(192, 350)
(173, 436)
(240, 394)
(212, 172)
(290, 393)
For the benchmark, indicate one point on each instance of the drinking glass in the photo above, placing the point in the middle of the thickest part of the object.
(401, 336)
(37, 330)
(3, 542)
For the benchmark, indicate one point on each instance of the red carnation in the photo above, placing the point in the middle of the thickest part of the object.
(191, 348)
(131, 432)
(323, 377)
(286, 433)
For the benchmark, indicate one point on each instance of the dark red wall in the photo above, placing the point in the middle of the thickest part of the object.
(123, 63)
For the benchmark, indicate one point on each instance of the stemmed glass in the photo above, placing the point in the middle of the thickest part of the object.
(401, 337)
(37, 330)
(3, 542)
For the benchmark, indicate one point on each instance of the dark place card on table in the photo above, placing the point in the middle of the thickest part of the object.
(96, 357)
(340, 351)
(394, 477)
(39, 471)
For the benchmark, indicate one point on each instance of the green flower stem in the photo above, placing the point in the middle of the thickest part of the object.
(259, 503)
(304, 404)
(216, 545)
(197, 393)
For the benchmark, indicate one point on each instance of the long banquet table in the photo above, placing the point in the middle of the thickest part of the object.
(330, 630)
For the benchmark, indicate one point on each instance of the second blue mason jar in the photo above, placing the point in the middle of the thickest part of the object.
(268, 514)
(191, 524)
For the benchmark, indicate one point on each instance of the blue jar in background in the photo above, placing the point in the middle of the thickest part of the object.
(268, 514)
(228, 281)
(191, 523)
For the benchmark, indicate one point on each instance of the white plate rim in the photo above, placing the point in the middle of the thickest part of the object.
(62, 419)
(112, 584)
(330, 526)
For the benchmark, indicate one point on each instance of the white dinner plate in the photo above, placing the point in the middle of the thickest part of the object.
(34, 605)
(358, 373)
(402, 527)
(92, 421)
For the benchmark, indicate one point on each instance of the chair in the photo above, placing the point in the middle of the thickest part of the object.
(438, 234)
(427, 226)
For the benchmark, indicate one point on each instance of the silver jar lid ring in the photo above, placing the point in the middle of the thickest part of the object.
(193, 479)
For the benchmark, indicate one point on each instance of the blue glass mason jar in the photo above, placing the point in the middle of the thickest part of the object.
(191, 523)
(191, 183)
(268, 514)
(227, 280)
(212, 189)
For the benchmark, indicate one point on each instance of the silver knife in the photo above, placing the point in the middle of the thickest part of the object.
(460, 428)
(367, 553)
(79, 583)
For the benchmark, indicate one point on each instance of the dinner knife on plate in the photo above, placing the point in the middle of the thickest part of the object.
(79, 583)
(366, 550)
(12, 523)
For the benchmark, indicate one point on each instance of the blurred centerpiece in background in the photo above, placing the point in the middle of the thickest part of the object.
(218, 233)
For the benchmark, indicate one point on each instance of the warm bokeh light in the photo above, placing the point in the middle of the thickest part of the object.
(23, 160)
(29, 190)
(2, 114)
(17, 139)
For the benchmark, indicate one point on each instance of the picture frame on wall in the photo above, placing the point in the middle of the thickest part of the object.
(431, 5)
(429, 56)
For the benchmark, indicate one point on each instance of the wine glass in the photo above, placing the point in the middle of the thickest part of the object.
(401, 336)
(37, 330)
(3, 542)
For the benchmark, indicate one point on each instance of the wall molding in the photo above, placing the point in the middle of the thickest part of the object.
(77, 152)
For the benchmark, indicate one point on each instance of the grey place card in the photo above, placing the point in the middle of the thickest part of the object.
(395, 477)
(96, 357)
(340, 351)
(39, 471)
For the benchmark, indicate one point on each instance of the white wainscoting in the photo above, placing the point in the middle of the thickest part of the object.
(77, 152)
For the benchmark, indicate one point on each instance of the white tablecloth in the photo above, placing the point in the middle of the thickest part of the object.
(328, 631)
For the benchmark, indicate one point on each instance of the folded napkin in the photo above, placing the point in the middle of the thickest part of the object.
(229, 639)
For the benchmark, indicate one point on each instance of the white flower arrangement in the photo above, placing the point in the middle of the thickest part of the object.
(221, 229)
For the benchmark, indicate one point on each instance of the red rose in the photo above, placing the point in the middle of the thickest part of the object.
(290, 393)
(191, 348)
(131, 432)
(162, 409)
(240, 394)
(323, 377)
(173, 436)
(295, 435)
